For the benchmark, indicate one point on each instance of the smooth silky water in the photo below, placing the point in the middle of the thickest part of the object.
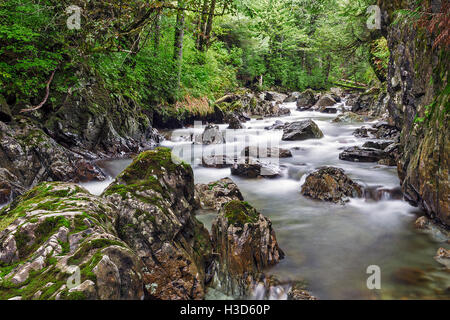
(327, 245)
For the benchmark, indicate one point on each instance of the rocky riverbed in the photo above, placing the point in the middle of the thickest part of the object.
(302, 202)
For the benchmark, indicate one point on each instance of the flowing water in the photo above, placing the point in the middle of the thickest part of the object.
(329, 246)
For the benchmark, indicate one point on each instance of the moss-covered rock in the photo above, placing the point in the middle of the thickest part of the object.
(57, 232)
(155, 198)
(418, 104)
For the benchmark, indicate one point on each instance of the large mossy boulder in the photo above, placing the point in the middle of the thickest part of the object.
(330, 184)
(246, 245)
(57, 232)
(301, 130)
(155, 199)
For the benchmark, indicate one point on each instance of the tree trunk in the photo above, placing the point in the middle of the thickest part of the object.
(209, 24)
(178, 46)
(157, 35)
(201, 29)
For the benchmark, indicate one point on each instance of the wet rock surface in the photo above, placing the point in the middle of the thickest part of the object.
(330, 184)
(357, 154)
(348, 117)
(301, 130)
(54, 230)
(306, 100)
(254, 168)
(215, 194)
(211, 135)
(246, 245)
(155, 199)
(29, 156)
(266, 152)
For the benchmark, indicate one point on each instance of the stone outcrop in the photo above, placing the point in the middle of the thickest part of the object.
(29, 156)
(59, 242)
(331, 184)
(246, 244)
(301, 130)
(418, 105)
(155, 200)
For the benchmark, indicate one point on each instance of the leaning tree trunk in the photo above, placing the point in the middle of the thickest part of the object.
(178, 47)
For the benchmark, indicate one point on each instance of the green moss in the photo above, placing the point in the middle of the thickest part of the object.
(240, 213)
(82, 252)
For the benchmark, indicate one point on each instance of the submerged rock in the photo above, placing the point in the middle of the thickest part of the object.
(301, 130)
(155, 199)
(215, 194)
(56, 231)
(246, 245)
(330, 184)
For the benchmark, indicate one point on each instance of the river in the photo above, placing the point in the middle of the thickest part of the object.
(330, 246)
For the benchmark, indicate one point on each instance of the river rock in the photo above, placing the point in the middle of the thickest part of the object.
(325, 100)
(380, 145)
(348, 117)
(234, 123)
(328, 110)
(52, 230)
(357, 154)
(211, 135)
(155, 199)
(215, 194)
(301, 130)
(306, 100)
(254, 169)
(218, 161)
(246, 245)
(278, 125)
(263, 152)
(275, 96)
(330, 184)
(292, 97)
